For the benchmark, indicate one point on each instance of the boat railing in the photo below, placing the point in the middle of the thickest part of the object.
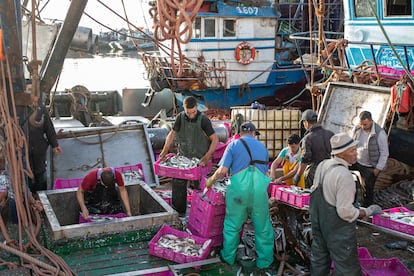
(321, 48)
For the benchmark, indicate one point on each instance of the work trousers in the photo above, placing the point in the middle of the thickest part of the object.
(367, 173)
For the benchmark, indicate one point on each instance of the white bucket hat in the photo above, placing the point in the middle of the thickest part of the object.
(341, 142)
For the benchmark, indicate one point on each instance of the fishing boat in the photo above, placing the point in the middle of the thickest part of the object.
(374, 52)
(229, 53)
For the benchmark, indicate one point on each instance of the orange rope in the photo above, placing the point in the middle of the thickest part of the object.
(28, 210)
(173, 22)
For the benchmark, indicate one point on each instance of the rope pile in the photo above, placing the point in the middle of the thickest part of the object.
(387, 177)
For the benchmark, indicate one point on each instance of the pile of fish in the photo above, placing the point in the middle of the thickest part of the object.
(220, 186)
(186, 246)
(402, 217)
(181, 162)
(133, 176)
(296, 190)
(398, 194)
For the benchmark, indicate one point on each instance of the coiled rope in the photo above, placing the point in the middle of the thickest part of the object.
(172, 21)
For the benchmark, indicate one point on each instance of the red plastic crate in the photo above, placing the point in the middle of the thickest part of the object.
(171, 255)
(386, 222)
(189, 174)
(384, 267)
(290, 197)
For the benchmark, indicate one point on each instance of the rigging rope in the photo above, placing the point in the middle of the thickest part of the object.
(27, 209)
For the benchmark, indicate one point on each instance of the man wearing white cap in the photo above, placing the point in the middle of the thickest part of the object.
(333, 213)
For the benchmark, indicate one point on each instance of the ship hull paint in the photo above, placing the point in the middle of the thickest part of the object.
(236, 95)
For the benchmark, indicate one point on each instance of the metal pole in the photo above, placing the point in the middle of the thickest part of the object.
(53, 65)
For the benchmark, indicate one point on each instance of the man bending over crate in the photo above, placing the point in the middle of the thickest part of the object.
(98, 193)
(195, 137)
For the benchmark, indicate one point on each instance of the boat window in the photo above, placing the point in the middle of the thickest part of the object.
(229, 29)
(197, 28)
(363, 8)
(397, 7)
(209, 27)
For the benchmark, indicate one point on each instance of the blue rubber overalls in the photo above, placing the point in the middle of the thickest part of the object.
(247, 195)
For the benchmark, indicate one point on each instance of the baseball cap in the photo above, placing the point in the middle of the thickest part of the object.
(248, 126)
(309, 115)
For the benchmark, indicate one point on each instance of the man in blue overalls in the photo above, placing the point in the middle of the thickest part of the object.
(246, 161)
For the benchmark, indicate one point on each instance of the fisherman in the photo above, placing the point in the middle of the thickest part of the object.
(372, 153)
(41, 135)
(315, 147)
(289, 158)
(246, 161)
(333, 213)
(98, 193)
(195, 137)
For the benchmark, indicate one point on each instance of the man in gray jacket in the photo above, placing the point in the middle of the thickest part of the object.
(372, 151)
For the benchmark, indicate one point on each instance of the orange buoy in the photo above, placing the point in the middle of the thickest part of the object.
(241, 55)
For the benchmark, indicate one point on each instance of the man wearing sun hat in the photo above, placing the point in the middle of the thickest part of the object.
(332, 211)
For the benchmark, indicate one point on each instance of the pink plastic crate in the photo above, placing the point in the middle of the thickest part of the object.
(171, 255)
(386, 222)
(363, 253)
(205, 228)
(384, 267)
(108, 216)
(218, 153)
(215, 240)
(132, 168)
(215, 198)
(61, 183)
(189, 174)
(290, 197)
(164, 273)
(167, 195)
(206, 217)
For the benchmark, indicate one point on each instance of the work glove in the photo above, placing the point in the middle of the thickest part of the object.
(209, 183)
(372, 210)
(296, 179)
